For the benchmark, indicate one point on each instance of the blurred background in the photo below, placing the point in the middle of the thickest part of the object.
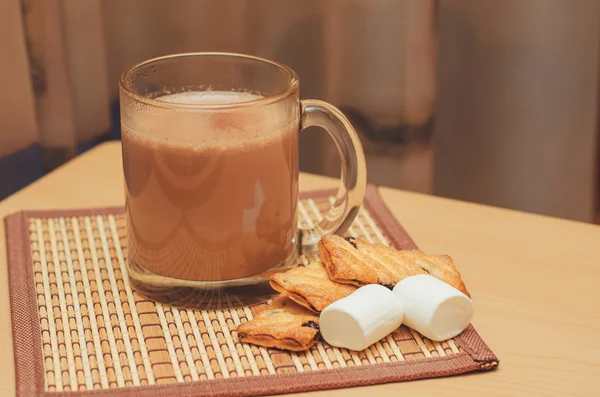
(493, 101)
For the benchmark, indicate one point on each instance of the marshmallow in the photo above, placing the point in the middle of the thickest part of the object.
(362, 318)
(435, 309)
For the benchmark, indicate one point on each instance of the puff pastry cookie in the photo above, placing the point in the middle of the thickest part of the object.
(282, 324)
(310, 286)
(353, 261)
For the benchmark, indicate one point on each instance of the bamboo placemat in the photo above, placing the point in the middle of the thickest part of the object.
(79, 326)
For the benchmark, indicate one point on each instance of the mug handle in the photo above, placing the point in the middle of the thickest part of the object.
(351, 191)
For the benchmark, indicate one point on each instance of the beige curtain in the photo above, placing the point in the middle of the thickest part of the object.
(518, 104)
(516, 89)
(57, 74)
(66, 57)
(17, 113)
(62, 59)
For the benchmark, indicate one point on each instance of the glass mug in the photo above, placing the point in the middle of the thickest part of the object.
(210, 157)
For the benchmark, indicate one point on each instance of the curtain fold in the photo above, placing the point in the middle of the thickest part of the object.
(18, 126)
(55, 72)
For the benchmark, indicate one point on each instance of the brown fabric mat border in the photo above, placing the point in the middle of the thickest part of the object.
(475, 354)
(27, 344)
(308, 381)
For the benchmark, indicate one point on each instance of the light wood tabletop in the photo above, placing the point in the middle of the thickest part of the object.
(534, 280)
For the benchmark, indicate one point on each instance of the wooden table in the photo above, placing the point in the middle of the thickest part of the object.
(535, 281)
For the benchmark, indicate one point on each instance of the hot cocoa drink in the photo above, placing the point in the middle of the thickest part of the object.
(212, 191)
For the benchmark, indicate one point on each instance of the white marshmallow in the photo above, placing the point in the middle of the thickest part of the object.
(435, 309)
(362, 318)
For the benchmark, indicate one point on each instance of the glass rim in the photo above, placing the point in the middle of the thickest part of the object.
(289, 89)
